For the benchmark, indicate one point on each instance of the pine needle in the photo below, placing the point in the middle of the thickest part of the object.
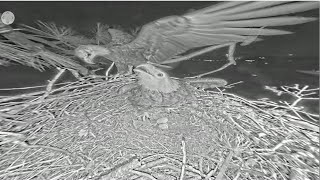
(64, 35)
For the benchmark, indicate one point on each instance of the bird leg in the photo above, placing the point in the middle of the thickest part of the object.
(231, 50)
(231, 60)
(252, 39)
(130, 70)
(123, 70)
(198, 53)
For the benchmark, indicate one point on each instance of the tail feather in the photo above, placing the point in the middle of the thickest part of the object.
(263, 22)
(249, 6)
(274, 11)
(243, 31)
(216, 7)
(252, 14)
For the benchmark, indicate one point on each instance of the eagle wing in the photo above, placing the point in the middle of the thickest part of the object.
(228, 22)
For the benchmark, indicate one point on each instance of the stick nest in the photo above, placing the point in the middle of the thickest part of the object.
(88, 130)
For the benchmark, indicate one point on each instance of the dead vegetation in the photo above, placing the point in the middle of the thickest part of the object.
(87, 130)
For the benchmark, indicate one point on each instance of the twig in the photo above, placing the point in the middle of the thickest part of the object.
(190, 170)
(292, 108)
(65, 152)
(232, 84)
(282, 143)
(225, 165)
(299, 93)
(51, 83)
(121, 169)
(29, 87)
(153, 163)
(108, 70)
(184, 158)
(18, 138)
(201, 164)
(21, 96)
(241, 129)
(258, 124)
(212, 172)
(143, 174)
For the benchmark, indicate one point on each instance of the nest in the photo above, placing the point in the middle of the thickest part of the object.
(88, 130)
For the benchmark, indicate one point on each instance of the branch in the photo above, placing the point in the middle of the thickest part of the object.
(108, 70)
(184, 158)
(224, 166)
(51, 83)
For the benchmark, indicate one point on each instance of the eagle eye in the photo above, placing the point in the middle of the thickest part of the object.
(160, 74)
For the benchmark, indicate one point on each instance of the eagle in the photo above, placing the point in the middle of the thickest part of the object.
(225, 24)
(155, 88)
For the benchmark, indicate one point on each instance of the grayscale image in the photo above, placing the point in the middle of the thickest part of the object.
(159, 90)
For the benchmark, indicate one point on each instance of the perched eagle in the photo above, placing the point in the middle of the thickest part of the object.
(223, 24)
(157, 89)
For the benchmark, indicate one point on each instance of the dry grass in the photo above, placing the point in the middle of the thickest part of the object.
(87, 130)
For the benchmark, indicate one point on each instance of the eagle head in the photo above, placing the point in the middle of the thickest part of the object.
(88, 52)
(154, 79)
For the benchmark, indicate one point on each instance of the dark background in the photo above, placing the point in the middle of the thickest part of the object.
(83, 16)
(275, 60)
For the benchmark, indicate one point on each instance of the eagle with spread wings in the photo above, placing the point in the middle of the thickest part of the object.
(166, 40)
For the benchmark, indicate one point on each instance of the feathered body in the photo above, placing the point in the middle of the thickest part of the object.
(121, 55)
(157, 89)
(143, 97)
(220, 24)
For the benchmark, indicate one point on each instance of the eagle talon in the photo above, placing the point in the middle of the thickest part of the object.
(167, 39)
(123, 73)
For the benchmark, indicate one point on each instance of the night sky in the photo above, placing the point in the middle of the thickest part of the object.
(277, 69)
(83, 16)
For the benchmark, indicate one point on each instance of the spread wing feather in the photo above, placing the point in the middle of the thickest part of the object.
(227, 22)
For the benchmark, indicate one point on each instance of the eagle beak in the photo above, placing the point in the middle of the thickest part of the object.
(143, 68)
